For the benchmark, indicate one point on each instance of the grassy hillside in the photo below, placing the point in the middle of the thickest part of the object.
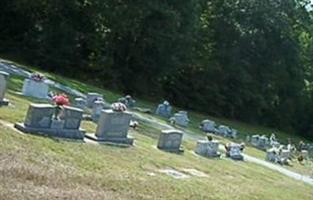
(33, 167)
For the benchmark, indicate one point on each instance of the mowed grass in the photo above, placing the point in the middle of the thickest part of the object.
(33, 167)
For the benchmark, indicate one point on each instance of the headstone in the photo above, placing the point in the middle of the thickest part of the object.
(233, 133)
(285, 154)
(223, 130)
(180, 118)
(92, 97)
(208, 126)
(3, 87)
(128, 101)
(96, 110)
(113, 127)
(248, 138)
(264, 142)
(39, 115)
(255, 140)
(37, 89)
(170, 140)
(276, 155)
(234, 151)
(208, 148)
(272, 155)
(72, 117)
(40, 120)
(164, 109)
(80, 103)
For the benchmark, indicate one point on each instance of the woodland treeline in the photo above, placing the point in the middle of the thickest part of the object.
(249, 60)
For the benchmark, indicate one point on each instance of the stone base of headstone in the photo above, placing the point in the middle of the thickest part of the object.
(237, 157)
(4, 102)
(180, 150)
(128, 140)
(52, 132)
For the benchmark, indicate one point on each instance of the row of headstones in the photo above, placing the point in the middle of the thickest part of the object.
(181, 119)
(112, 127)
(40, 119)
(209, 126)
(165, 110)
(31, 88)
(262, 142)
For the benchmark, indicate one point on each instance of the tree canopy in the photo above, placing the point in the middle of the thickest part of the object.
(249, 60)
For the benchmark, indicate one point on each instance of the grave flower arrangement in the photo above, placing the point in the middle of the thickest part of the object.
(37, 77)
(118, 107)
(60, 101)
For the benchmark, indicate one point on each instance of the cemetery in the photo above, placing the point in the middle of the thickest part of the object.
(111, 125)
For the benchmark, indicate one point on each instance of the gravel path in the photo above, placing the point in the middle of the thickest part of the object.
(194, 137)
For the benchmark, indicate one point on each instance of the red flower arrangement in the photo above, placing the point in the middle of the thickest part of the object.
(61, 100)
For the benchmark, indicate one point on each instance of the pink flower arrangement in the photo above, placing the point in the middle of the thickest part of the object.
(61, 100)
(119, 107)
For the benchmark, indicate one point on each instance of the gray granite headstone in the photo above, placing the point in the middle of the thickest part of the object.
(72, 117)
(37, 89)
(235, 151)
(223, 130)
(164, 110)
(39, 120)
(255, 140)
(113, 124)
(272, 155)
(128, 101)
(113, 127)
(285, 154)
(263, 142)
(208, 126)
(170, 140)
(3, 87)
(92, 97)
(80, 103)
(208, 148)
(96, 110)
(181, 118)
(39, 115)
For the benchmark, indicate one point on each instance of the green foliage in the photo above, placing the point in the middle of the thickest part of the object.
(244, 59)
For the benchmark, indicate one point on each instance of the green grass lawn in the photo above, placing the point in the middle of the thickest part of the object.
(33, 167)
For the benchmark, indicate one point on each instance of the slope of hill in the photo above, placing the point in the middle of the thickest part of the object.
(34, 167)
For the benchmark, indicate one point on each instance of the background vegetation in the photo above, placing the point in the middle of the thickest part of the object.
(249, 60)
